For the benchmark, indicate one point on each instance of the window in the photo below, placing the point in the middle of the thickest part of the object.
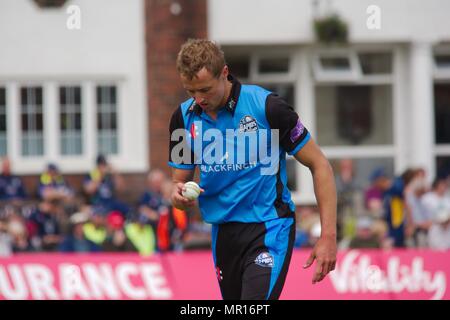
(443, 166)
(239, 66)
(442, 112)
(375, 63)
(442, 109)
(341, 65)
(350, 115)
(284, 90)
(254, 65)
(107, 140)
(350, 65)
(32, 121)
(335, 63)
(70, 121)
(273, 65)
(442, 60)
(3, 126)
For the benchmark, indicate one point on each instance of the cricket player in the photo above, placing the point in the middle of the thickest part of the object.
(246, 201)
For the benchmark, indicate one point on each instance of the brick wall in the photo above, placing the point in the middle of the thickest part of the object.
(165, 32)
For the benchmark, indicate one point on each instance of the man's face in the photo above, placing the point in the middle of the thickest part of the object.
(207, 90)
(156, 180)
(103, 168)
(442, 187)
(53, 173)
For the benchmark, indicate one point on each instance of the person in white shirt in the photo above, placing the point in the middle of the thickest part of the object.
(439, 233)
(437, 199)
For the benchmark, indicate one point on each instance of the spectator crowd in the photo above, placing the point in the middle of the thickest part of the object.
(388, 212)
(58, 218)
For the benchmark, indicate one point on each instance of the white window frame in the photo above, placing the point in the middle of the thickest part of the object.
(83, 120)
(309, 57)
(44, 116)
(323, 75)
(441, 75)
(355, 73)
(118, 94)
(125, 160)
(302, 59)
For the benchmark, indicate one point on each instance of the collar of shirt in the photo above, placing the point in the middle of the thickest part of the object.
(231, 103)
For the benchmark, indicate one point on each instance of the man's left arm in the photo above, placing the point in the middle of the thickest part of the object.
(325, 249)
(295, 139)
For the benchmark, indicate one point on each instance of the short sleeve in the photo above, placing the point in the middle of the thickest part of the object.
(281, 116)
(178, 143)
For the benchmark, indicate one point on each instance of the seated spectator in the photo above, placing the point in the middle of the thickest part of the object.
(116, 239)
(168, 222)
(307, 218)
(101, 185)
(437, 199)
(95, 228)
(198, 233)
(365, 237)
(347, 190)
(152, 203)
(420, 216)
(11, 186)
(44, 228)
(379, 184)
(172, 226)
(314, 234)
(76, 241)
(19, 235)
(141, 235)
(396, 212)
(439, 233)
(5, 239)
(52, 185)
(380, 230)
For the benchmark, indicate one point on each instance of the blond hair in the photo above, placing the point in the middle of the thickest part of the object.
(196, 54)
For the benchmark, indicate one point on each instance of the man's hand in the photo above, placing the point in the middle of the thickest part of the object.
(325, 253)
(180, 202)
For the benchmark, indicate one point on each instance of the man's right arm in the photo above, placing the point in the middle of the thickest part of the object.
(179, 178)
(182, 170)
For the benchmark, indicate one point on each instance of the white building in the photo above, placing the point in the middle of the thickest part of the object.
(68, 93)
(72, 85)
(383, 99)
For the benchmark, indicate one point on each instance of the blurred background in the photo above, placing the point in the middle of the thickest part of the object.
(87, 88)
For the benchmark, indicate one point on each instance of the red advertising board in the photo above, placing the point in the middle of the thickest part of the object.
(359, 274)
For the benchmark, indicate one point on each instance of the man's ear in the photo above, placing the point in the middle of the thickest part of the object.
(225, 72)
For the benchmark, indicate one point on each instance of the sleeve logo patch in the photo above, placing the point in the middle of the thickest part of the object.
(297, 131)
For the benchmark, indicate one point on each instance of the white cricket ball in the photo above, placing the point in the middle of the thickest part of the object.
(192, 190)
